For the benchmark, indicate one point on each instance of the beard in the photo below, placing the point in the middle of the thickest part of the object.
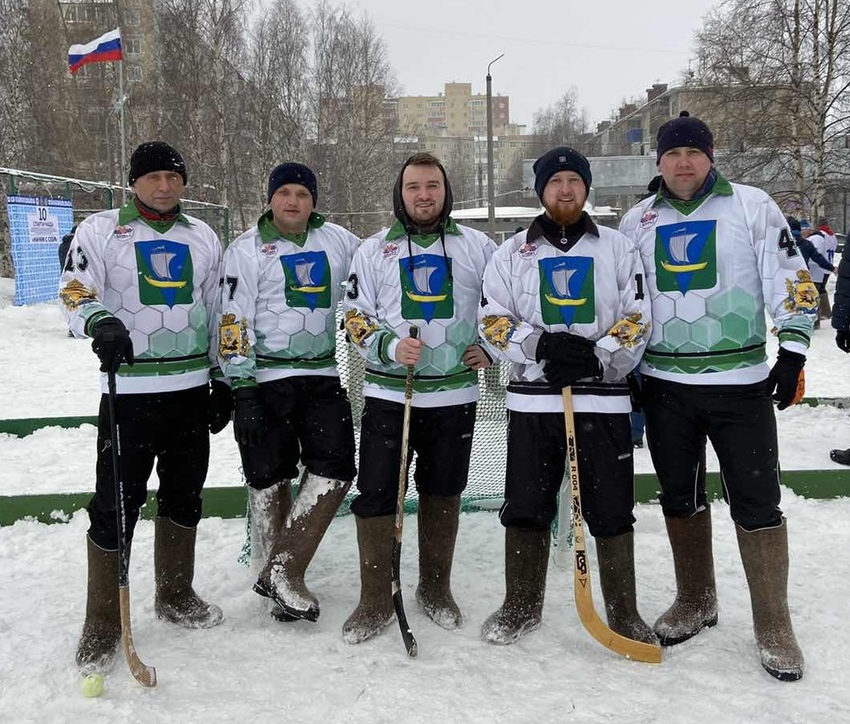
(563, 215)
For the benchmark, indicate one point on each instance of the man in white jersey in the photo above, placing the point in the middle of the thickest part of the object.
(282, 281)
(564, 304)
(142, 281)
(426, 271)
(716, 255)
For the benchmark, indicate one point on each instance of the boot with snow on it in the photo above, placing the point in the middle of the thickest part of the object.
(438, 524)
(842, 457)
(695, 607)
(313, 510)
(526, 564)
(102, 628)
(269, 509)
(616, 557)
(174, 564)
(764, 553)
(375, 610)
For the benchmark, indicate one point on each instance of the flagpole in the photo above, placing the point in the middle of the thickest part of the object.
(121, 99)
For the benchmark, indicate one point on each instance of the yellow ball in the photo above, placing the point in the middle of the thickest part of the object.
(92, 686)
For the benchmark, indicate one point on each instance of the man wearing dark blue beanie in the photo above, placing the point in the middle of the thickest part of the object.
(293, 173)
(562, 158)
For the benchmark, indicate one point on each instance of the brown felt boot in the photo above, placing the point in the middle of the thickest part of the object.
(764, 553)
(174, 563)
(269, 509)
(824, 307)
(438, 524)
(375, 611)
(102, 628)
(617, 579)
(318, 500)
(526, 563)
(695, 607)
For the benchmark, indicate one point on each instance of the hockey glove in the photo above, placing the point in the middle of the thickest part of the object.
(842, 339)
(787, 381)
(220, 406)
(564, 374)
(248, 421)
(564, 347)
(112, 344)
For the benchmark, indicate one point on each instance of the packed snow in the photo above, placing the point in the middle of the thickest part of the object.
(252, 668)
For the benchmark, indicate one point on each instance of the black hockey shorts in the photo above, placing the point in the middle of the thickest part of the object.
(170, 428)
(741, 425)
(537, 451)
(308, 418)
(441, 438)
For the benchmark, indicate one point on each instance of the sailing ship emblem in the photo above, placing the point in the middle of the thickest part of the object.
(426, 287)
(561, 285)
(678, 247)
(304, 278)
(421, 278)
(160, 262)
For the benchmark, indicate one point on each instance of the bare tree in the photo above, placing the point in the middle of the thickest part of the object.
(562, 123)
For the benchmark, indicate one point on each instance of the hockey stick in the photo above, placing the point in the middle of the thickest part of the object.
(636, 650)
(406, 634)
(145, 675)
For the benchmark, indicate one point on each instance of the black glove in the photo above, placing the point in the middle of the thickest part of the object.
(842, 340)
(220, 406)
(112, 344)
(787, 378)
(248, 422)
(564, 347)
(564, 374)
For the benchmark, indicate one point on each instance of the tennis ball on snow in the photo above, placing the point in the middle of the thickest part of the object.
(92, 686)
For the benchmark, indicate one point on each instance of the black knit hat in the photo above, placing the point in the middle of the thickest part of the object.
(562, 158)
(155, 156)
(686, 130)
(293, 173)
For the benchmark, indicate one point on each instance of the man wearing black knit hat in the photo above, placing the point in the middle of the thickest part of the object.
(424, 271)
(717, 255)
(142, 282)
(283, 280)
(564, 305)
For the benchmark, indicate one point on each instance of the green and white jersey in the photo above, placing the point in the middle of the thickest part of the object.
(593, 290)
(712, 267)
(160, 279)
(397, 282)
(279, 296)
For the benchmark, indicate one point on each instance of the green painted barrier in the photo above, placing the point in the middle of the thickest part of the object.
(27, 425)
(230, 502)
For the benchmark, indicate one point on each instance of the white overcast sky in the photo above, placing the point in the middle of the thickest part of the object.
(610, 50)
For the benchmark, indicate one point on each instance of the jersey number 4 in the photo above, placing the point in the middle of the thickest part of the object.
(788, 243)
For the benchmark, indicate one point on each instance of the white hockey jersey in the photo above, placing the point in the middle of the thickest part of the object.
(396, 283)
(162, 285)
(279, 295)
(593, 290)
(712, 267)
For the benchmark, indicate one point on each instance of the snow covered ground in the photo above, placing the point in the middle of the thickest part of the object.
(253, 669)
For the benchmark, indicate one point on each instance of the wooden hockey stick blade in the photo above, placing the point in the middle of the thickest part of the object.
(406, 634)
(145, 675)
(631, 649)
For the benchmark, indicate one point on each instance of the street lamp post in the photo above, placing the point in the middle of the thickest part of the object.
(491, 201)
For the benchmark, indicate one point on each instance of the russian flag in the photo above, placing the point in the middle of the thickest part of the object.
(101, 50)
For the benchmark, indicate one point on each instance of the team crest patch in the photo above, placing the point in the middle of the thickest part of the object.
(648, 219)
(268, 250)
(358, 326)
(686, 256)
(123, 232)
(426, 287)
(74, 295)
(165, 272)
(802, 294)
(528, 250)
(233, 337)
(390, 251)
(567, 293)
(629, 331)
(308, 280)
(498, 330)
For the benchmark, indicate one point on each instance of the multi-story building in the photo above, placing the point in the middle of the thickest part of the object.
(455, 112)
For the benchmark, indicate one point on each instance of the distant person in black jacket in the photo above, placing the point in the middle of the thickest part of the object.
(841, 325)
(64, 245)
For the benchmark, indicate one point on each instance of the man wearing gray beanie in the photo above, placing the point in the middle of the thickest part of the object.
(717, 255)
(283, 279)
(563, 304)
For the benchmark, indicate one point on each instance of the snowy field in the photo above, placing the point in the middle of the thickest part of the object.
(253, 669)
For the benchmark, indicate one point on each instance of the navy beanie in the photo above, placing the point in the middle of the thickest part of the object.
(562, 158)
(155, 156)
(293, 173)
(686, 130)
